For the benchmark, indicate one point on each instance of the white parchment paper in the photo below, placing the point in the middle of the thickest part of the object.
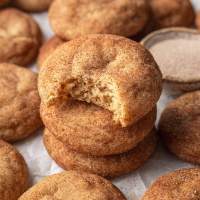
(132, 185)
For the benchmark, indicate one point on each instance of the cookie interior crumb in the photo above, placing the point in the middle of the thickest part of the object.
(99, 92)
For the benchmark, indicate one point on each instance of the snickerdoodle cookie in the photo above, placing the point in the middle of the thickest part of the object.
(33, 5)
(170, 13)
(20, 37)
(89, 129)
(179, 127)
(183, 184)
(110, 71)
(47, 49)
(72, 18)
(107, 166)
(19, 100)
(13, 173)
(73, 185)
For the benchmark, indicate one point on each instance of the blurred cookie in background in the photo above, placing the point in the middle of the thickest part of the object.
(20, 37)
(178, 185)
(13, 172)
(171, 13)
(197, 20)
(179, 127)
(20, 102)
(47, 48)
(33, 5)
(72, 18)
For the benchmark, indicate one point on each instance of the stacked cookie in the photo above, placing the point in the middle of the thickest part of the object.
(99, 95)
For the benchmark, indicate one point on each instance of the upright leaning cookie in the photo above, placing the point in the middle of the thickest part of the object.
(20, 37)
(110, 71)
(73, 18)
(183, 184)
(171, 13)
(73, 185)
(179, 127)
(13, 173)
(20, 102)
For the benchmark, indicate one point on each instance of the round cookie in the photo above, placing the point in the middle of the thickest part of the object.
(110, 71)
(88, 128)
(13, 173)
(183, 184)
(170, 13)
(20, 102)
(20, 37)
(179, 127)
(33, 5)
(73, 185)
(47, 49)
(72, 18)
(107, 166)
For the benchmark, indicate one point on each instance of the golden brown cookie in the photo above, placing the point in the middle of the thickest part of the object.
(197, 20)
(72, 18)
(20, 37)
(183, 184)
(107, 166)
(19, 100)
(179, 127)
(33, 5)
(47, 49)
(89, 129)
(73, 185)
(170, 13)
(110, 71)
(13, 172)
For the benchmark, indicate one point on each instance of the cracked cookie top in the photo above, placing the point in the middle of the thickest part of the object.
(19, 102)
(73, 185)
(13, 173)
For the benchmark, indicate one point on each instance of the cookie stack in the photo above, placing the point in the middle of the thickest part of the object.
(99, 95)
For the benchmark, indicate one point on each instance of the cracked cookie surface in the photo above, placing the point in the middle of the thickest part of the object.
(110, 71)
(20, 37)
(13, 173)
(88, 128)
(19, 102)
(179, 127)
(73, 185)
(74, 18)
(183, 184)
(107, 166)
